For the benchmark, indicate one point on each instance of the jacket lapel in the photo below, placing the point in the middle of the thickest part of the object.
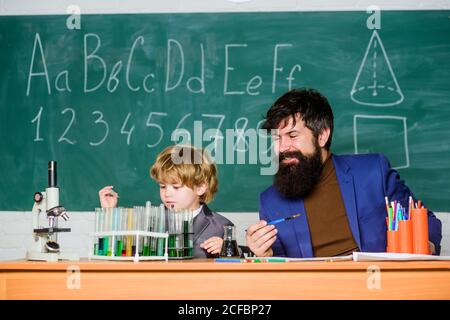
(297, 227)
(201, 221)
(347, 188)
(301, 228)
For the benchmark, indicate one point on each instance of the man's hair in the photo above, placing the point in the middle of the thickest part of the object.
(312, 107)
(188, 166)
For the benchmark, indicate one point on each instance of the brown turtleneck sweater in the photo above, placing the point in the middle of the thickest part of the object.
(327, 219)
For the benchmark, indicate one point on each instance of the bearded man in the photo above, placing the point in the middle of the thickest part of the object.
(340, 199)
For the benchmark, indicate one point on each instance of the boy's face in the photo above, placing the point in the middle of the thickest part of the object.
(178, 196)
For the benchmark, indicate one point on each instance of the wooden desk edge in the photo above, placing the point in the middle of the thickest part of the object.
(211, 265)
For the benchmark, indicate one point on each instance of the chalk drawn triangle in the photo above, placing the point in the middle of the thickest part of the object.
(375, 84)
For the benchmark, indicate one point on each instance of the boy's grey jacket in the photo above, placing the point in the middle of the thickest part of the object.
(207, 224)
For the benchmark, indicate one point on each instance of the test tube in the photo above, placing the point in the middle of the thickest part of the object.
(179, 240)
(124, 221)
(156, 226)
(108, 225)
(146, 227)
(185, 233)
(97, 229)
(101, 229)
(135, 228)
(152, 240)
(140, 227)
(129, 248)
(104, 222)
(172, 233)
(117, 227)
(188, 229)
(112, 228)
(160, 227)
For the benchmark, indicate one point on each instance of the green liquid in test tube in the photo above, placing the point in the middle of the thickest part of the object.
(161, 228)
(97, 229)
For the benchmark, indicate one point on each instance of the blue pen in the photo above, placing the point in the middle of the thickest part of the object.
(284, 219)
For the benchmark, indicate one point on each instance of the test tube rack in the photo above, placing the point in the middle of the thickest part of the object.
(132, 233)
(138, 233)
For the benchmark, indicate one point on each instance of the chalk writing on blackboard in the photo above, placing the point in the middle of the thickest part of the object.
(375, 83)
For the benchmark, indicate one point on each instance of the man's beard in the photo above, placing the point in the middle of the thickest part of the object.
(296, 180)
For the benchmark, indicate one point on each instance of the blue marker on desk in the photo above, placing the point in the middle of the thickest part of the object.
(284, 219)
(227, 260)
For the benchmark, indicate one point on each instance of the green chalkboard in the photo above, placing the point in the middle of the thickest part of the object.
(104, 100)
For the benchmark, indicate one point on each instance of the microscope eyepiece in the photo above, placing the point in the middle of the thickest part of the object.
(52, 176)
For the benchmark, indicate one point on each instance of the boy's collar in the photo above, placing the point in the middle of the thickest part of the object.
(206, 210)
(197, 211)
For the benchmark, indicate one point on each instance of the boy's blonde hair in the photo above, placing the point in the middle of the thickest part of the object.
(187, 165)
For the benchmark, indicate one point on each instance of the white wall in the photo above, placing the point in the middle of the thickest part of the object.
(15, 227)
(22, 7)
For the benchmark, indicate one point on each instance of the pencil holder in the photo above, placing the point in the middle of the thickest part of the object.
(419, 218)
(393, 241)
(406, 236)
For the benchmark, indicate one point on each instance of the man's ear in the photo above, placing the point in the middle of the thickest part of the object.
(323, 137)
(201, 189)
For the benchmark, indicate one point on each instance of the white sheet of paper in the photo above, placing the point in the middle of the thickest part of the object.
(388, 256)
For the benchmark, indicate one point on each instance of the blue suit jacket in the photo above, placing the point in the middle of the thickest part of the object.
(364, 181)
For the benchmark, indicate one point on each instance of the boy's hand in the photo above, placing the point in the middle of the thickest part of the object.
(108, 198)
(213, 245)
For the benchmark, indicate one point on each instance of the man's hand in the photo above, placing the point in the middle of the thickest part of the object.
(431, 247)
(108, 198)
(260, 238)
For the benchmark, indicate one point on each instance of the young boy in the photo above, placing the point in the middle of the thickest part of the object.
(187, 180)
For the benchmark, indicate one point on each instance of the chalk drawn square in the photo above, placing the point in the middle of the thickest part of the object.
(382, 134)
